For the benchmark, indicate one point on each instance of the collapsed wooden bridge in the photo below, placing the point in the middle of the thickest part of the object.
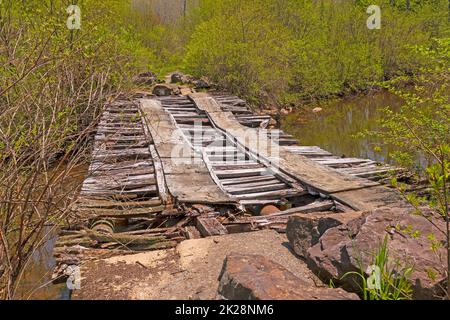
(165, 169)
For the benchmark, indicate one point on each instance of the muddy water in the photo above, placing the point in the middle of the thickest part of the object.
(335, 128)
(36, 280)
(36, 283)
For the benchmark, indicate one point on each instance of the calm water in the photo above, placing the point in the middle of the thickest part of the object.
(335, 127)
(36, 281)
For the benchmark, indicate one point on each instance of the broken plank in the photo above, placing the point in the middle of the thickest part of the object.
(210, 227)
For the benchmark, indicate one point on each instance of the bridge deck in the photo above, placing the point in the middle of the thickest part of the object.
(363, 168)
(121, 180)
(206, 149)
(175, 168)
(187, 177)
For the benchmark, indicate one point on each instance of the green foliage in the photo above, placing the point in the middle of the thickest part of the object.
(244, 48)
(285, 50)
(422, 127)
(52, 74)
(385, 280)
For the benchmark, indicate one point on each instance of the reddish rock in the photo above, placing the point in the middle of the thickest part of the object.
(269, 209)
(347, 247)
(304, 229)
(254, 277)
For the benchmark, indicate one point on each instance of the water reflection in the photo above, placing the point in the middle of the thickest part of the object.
(335, 127)
(36, 282)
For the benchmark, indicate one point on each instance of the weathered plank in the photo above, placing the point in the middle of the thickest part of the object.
(210, 227)
(187, 181)
(305, 170)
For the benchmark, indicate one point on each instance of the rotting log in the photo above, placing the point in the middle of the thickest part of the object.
(125, 239)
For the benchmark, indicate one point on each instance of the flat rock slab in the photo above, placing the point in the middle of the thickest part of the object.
(304, 229)
(190, 271)
(254, 277)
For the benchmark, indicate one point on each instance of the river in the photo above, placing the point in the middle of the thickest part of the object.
(36, 280)
(335, 128)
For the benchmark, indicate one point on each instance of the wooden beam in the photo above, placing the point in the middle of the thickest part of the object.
(210, 227)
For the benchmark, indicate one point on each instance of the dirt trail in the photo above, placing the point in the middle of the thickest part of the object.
(189, 271)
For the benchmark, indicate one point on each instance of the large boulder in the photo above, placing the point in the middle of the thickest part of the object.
(202, 83)
(304, 229)
(254, 277)
(178, 77)
(197, 83)
(352, 247)
(161, 90)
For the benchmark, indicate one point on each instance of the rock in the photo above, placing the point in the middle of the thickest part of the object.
(304, 229)
(269, 209)
(178, 77)
(351, 247)
(201, 83)
(254, 277)
(317, 110)
(147, 78)
(164, 90)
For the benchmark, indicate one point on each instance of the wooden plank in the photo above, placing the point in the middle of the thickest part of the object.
(136, 191)
(157, 165)
(159, 175)
(256, 189)
(241, 173)
(128, 212)
(210, 227)
(253, 184)
(191, 232)
(368, 199)
(256, 179)
(303, 169)
(120, 179)
(187, 182)
(110, 204)
(344, 161)
(270, 194)
(236, 166)
(312, 207)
